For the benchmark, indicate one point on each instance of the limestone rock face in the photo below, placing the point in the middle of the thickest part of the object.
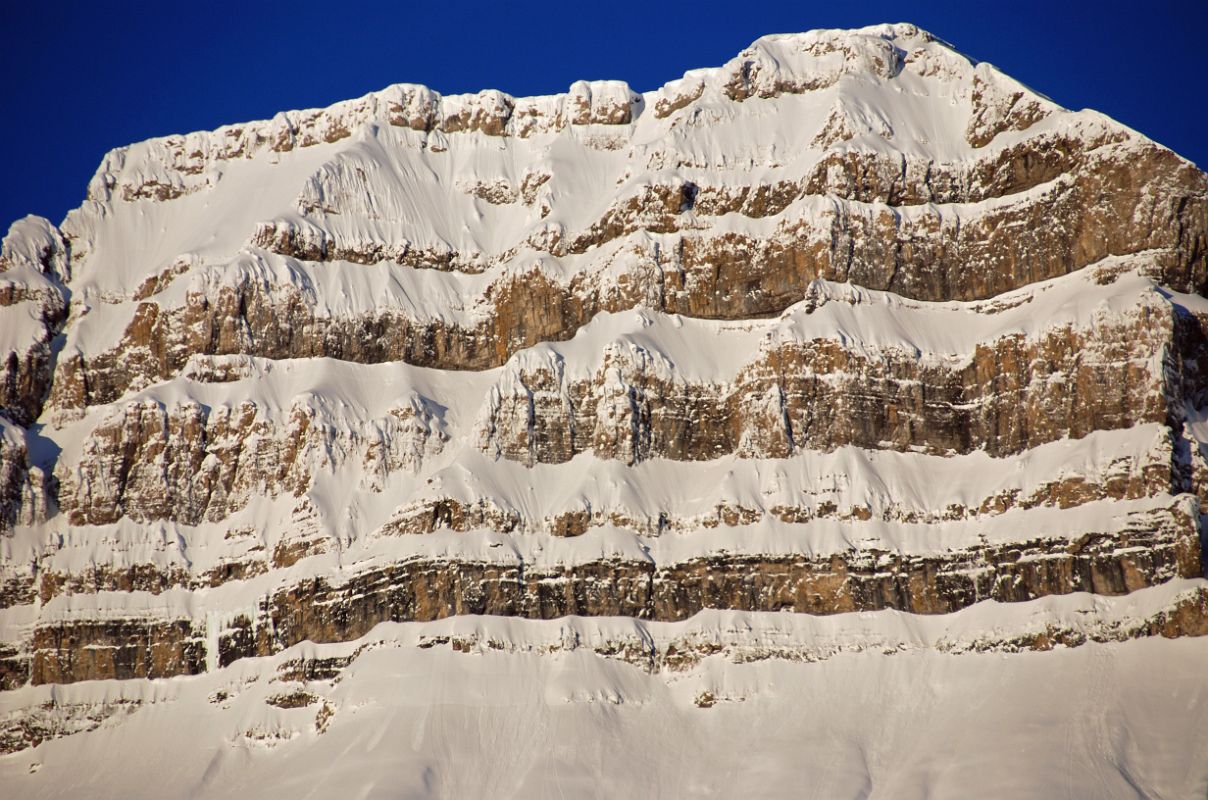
(851, 335)
(192, 464)
(1104, 204)
(25, 489)
(1152, 547)
(34, 263)
(1010, 394)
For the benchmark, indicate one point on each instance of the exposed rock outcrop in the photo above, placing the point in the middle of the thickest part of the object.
(34, 262)
(1009, 395)
(1153, 548)
(192, 464)
(849, 324)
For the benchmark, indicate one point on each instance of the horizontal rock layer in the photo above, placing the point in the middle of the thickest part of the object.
(192, 464)
(1152, 548)
(1013, 395)
(304, 677)
(850, 324)
(726, 276)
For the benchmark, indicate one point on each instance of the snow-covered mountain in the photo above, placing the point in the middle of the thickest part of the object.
(829, 423)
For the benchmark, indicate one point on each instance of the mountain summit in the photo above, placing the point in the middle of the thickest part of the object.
(828, 422)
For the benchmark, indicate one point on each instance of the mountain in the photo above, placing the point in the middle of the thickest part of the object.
(831, 423)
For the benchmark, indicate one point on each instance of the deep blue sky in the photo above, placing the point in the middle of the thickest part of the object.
(77, 79)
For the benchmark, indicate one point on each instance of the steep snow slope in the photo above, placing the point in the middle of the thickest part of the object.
(484, 707)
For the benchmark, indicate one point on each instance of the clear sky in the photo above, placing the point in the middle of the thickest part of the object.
(79, 78)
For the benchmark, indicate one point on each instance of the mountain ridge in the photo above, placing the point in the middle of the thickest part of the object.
(851, 328)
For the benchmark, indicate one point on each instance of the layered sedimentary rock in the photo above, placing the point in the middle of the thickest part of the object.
(851, 325)
(34, 262)
(1009, 394)
(1152, 546)
(192, 464)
